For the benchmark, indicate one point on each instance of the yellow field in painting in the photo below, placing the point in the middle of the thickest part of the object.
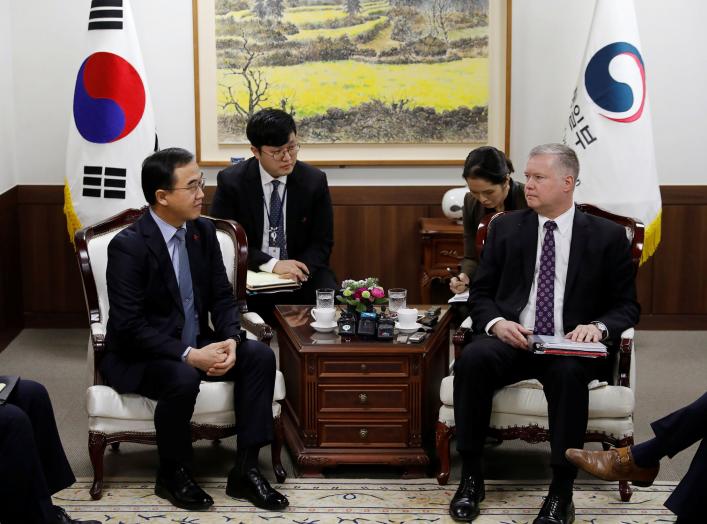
(315, 87)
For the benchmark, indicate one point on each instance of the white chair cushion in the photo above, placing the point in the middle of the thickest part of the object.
(527, 398)
(214, 404)
(98, 254)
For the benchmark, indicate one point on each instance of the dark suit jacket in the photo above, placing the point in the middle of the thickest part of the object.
(309, 220)
(600, 275)
(146, 317)
(472, 214)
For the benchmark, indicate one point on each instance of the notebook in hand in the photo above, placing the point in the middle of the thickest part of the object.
(551, 345)
(7, 384)
(265, 281)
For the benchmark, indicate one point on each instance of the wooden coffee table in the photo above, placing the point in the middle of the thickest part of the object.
(359, 401)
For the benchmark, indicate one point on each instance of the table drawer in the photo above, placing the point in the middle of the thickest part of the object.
(363, 398)
(364, 433)
(373, 366)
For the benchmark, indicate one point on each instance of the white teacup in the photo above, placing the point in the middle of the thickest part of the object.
(407, 317)
(324, 316)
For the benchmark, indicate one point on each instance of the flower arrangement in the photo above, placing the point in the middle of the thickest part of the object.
(362, 295)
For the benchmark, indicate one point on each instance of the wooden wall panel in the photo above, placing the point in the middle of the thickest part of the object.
(10, 271)
(376, 234)
(379, 241)
(51, 287)
(681, 262)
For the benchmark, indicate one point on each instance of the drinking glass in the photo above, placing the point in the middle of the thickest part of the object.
(325, 298)
(397, 299)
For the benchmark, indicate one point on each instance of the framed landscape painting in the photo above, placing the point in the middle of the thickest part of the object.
(369, 82)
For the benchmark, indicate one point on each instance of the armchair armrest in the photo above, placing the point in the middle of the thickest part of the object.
(98, 344)
(461, 338)
(98, 336)
(255, 324)
(625, 356)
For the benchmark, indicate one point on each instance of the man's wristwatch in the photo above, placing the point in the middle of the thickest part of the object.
(601, 327)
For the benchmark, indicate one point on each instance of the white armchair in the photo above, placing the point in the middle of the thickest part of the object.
(115, 418)
(519, 411)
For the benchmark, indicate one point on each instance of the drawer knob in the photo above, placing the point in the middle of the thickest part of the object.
(362, 398)
(364, 368)
(363, 433)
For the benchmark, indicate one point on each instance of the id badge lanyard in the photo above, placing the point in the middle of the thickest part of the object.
(273, 229)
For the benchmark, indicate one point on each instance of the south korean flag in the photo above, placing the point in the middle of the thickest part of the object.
(112, 126)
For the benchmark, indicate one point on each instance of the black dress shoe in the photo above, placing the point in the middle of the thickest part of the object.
(556, 510)
(254, 487)
(62, 517)
(465, 503)
(181, 490)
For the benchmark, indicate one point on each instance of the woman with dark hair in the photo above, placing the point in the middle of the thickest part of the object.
(487, 172)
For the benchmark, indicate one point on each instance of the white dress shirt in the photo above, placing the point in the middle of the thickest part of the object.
(563, 240)
(266, 181)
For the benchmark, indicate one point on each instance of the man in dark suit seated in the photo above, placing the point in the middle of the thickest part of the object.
(549, 270)
(33, 464)
(166, 280)
(285, 208)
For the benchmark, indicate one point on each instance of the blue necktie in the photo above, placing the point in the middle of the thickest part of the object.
(190, 330)
(545, 301)
(276, 234)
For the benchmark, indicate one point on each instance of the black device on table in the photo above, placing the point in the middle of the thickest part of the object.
(417, 337)
(385, 329)
(431, 316)
(346, 324)
(367, 324)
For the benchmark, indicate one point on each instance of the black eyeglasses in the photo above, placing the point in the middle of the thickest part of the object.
(279, 155)
(193, 186)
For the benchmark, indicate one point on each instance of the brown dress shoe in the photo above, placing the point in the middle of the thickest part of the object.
(615, 464)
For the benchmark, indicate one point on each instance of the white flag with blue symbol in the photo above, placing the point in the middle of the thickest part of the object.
(112, 126)
(609, 122)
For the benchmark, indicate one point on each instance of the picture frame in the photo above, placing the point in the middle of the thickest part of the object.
(209, 88)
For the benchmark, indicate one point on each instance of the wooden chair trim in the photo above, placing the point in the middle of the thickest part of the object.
(237, 233)
(81, 239)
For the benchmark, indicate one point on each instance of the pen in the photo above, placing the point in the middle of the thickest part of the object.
(452, 272)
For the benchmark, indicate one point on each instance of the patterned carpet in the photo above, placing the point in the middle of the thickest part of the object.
(342, 501)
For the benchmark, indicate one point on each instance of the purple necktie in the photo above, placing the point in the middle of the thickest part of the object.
(545, 300)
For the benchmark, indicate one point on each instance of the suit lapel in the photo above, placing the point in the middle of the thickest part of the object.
(194, 249)
(156, 245)
(529, 235)
(255, 188)
(291, 204)
(580, 237)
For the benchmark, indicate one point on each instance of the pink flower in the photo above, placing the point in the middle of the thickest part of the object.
(377, 292)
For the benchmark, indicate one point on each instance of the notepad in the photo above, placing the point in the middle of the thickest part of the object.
(551, 345)
(265, 281)
(459, 297)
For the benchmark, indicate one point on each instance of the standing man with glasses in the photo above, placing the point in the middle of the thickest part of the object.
(284, 206)
(550, 270)
(167, 287)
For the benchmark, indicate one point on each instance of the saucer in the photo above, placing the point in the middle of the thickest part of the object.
(408, 329)
(324, 328)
